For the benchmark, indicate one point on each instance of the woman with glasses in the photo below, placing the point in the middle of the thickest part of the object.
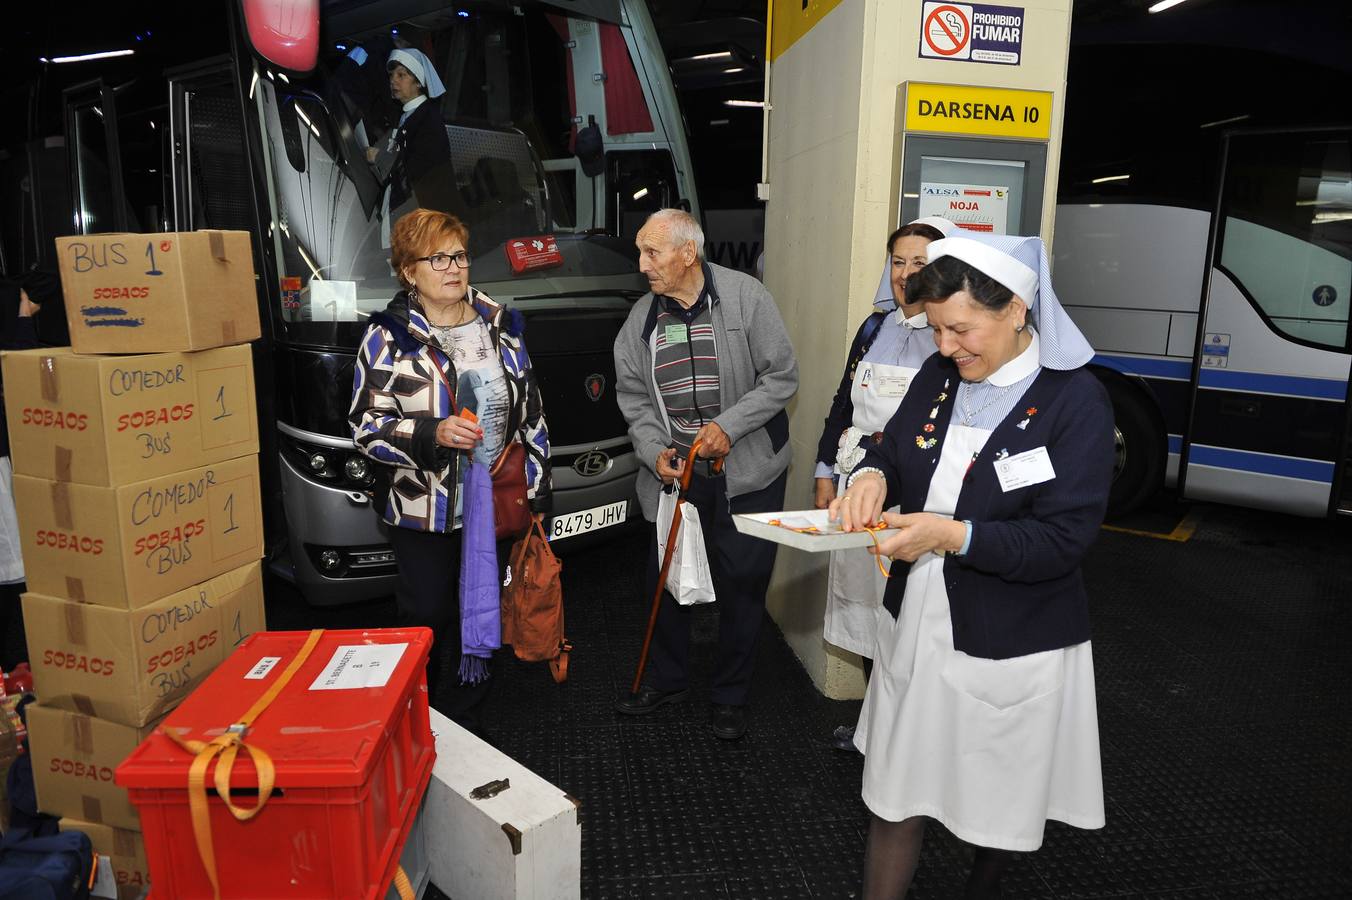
(886, 353)
(442, 378)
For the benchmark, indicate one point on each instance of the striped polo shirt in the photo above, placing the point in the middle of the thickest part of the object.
(686, 367)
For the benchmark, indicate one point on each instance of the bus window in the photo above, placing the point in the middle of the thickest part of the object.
(503, 162)
(1287, 231)
(640, 183)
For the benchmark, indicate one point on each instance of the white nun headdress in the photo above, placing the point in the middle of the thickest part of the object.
(417, 63)
(883, 299)
(1020, 264)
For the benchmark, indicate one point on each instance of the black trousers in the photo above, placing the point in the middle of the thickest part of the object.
(429, 595)
(741, 568)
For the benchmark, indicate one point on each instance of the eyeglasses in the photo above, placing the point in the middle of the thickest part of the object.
(440, 262)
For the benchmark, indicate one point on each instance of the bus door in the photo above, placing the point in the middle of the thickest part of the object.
(95, 159)
(211, 186)
(1269, 414)
(210, 172)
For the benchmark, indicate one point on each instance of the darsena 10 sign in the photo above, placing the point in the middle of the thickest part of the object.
(971, 32)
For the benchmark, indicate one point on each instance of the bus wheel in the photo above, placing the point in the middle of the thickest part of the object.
(1139, 450)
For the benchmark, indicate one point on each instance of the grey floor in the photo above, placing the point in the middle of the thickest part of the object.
(1225, 704)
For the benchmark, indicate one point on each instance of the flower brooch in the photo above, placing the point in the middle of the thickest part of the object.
(928, 443)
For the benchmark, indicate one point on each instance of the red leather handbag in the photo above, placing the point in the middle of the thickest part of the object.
(511, 508)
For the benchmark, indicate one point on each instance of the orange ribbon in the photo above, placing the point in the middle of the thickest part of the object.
(227, 747)
(878, 558)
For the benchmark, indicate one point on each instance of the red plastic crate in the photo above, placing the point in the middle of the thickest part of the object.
(351, 767)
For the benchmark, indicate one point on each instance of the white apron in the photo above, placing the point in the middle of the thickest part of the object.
(854, 585)
(11, 559)
(990, 748)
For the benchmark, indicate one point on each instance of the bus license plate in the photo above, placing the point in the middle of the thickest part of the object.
(585, 520)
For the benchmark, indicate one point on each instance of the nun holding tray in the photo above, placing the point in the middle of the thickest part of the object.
(981, 710)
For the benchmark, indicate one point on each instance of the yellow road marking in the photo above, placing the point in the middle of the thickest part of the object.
(1182, 532)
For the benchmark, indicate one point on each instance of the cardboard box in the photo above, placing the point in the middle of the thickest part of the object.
(130, 545)
(110, 420)
(126, 849)
(132, 666)
(74, 757)
(149, 293)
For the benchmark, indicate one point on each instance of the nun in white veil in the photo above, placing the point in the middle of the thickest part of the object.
(415, 163)
(886, 353)
(981, 710)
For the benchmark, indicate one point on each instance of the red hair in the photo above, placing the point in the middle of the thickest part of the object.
(419, 234)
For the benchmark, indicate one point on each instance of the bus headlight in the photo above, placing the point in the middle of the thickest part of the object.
(318, 463)
(357, 468)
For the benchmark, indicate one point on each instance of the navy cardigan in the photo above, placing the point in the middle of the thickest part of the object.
(841, 414)
(1018, 590)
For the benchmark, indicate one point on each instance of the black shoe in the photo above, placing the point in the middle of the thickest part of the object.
(843, 739)
(648, 699)
(727, 722)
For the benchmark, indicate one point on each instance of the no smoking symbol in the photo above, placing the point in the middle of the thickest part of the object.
(946, 30)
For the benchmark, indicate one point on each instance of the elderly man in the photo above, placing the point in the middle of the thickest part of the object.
(704, 357)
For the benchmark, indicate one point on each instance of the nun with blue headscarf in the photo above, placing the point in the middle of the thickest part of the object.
(981, 711)
(415, 163)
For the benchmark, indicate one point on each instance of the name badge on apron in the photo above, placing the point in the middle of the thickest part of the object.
(877, 392)
(894, 385)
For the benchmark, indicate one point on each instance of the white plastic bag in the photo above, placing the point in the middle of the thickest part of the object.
(689, 579)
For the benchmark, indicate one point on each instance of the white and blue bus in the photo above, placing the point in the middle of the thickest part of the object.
(1204, 244)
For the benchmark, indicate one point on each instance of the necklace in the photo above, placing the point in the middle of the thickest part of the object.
(968, 414)
(462, 319)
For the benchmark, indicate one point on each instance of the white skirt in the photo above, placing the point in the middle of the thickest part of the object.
(990, 748)
(11, 557)
(854, 591)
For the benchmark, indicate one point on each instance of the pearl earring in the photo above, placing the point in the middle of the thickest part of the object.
(1019, 330)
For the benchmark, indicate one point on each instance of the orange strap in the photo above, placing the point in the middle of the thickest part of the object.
(227, 746)
(872, 532)
(402, 885)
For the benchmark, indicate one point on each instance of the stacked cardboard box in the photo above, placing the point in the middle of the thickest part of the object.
(136, 483)
(126, 850)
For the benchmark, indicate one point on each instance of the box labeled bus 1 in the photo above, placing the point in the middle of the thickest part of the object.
(130, 545)
(132, 666)
(126, 849)
(150, 293)
(113, 419)
(74, 757)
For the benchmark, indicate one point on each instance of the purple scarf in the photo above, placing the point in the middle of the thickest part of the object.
(480, 610)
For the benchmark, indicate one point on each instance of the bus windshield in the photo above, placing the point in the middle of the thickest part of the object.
(488, 135)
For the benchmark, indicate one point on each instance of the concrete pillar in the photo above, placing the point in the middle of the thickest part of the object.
(835, 146)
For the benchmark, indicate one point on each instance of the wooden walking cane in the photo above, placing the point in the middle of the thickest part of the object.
(682, 486)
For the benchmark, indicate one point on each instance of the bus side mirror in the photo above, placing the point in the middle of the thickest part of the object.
(590, 149)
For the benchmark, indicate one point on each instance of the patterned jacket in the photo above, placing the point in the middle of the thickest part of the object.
(398, 399)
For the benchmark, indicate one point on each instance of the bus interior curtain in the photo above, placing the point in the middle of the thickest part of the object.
(560, 25)
(602, 10)
(626, 107)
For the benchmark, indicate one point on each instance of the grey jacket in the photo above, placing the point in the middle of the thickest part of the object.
(757, 374)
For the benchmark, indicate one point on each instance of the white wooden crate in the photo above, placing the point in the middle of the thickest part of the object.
(523, 843)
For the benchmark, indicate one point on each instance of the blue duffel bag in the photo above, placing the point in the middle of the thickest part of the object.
(56, 867)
